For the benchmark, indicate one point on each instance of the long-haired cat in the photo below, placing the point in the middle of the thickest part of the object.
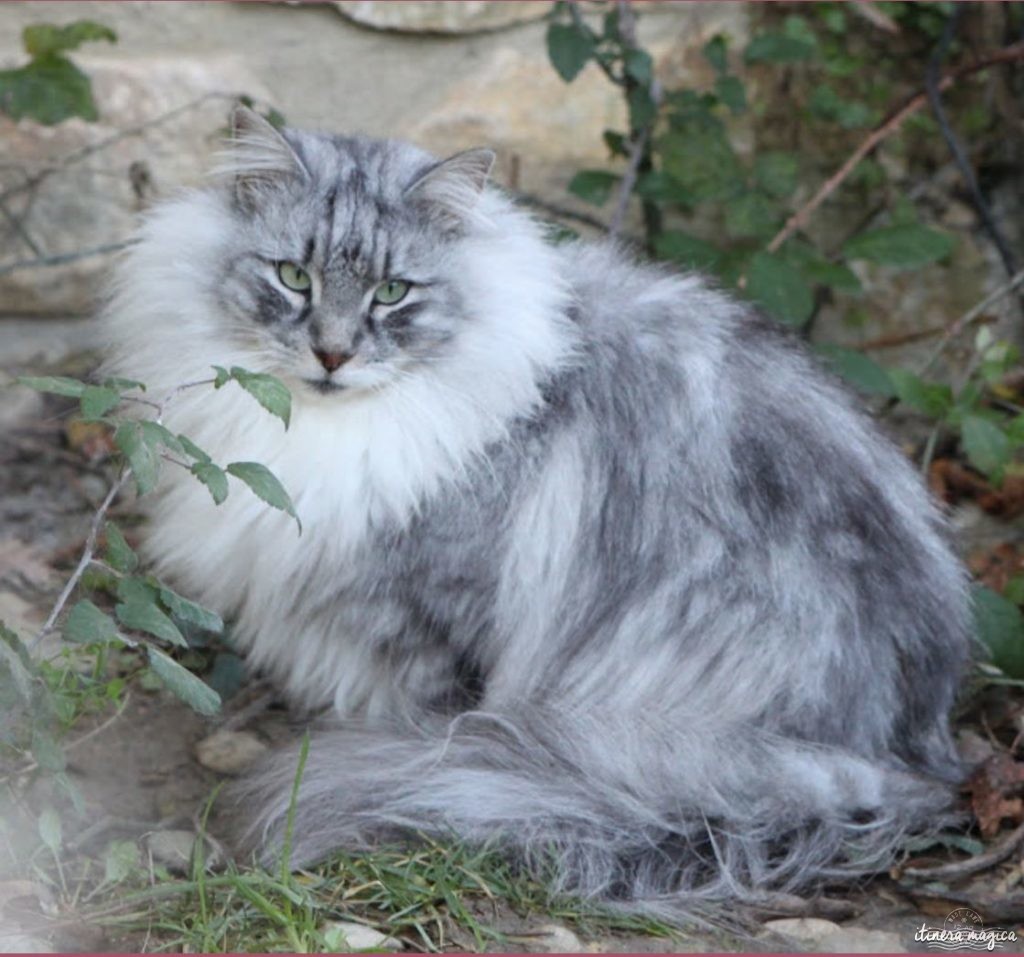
(598, 566)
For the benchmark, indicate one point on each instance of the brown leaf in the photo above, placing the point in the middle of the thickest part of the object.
(952, 482)
(996, 789)
(995, 567)
(94, 440)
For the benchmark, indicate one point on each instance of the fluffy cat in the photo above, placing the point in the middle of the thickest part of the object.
(598, 565)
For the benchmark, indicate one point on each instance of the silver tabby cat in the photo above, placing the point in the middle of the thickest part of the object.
(598, 566)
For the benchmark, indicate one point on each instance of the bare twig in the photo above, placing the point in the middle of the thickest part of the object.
(956, 148)
(958, 326)
(800, 218)
(88, 552)
(993, 855)
(562, 212)
(874, 16)
(85, 151)
(62, 259)
(84, 561)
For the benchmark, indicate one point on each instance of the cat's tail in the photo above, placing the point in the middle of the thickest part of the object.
(653, 820)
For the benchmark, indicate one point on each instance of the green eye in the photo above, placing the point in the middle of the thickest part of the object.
(294, 277)
(390, 292)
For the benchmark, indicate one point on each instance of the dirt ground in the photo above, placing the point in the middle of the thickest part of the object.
(138, 769)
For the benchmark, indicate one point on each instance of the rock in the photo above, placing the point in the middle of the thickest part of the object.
(826, 936)
(89, 202)
(555, 939)
(230, 752)
(416, 16)
(14, 942)
(172, 848)
(343, 933)
(25, 343)
(20, 404)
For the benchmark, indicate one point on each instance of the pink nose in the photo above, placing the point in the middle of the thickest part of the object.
(332, 360)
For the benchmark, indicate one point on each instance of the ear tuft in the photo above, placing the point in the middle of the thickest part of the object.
(452, 187)
(258, 155)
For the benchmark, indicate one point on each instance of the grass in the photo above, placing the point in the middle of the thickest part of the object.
(434, 897)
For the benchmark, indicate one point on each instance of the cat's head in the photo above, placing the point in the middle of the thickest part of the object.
(343, 270)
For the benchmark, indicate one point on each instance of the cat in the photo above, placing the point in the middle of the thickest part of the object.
(599, 567)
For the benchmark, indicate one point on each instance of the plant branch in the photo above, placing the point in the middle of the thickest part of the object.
(61, 259)
(993, 855)
(800, 218)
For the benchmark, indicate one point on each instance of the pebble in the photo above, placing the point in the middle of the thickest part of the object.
(173, 849)
(828, 937)
(357, 936)
(555, 939)
(230, 752)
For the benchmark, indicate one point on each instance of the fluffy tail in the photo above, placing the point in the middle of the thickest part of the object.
(655, 820)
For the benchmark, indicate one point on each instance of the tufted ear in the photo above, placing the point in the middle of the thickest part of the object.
(258, 155)
(452, 187)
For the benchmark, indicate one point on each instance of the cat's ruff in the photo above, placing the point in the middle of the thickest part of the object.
(598, 565)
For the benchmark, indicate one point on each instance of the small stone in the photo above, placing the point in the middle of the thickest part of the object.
(343, 933)
(803, 928)
(230, 752)
(416, 16)
(555, 939)
(173, 849)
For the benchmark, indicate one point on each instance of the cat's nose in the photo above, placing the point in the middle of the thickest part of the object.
(332, 360)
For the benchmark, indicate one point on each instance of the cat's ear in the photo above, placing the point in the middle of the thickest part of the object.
(451, 188)
(258, 155)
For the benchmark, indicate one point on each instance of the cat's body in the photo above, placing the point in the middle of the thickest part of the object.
(597, 564)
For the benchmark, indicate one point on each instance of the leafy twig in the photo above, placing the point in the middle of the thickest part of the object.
(800, 218)
(995, 854)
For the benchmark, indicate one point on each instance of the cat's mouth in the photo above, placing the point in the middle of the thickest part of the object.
(324, 386)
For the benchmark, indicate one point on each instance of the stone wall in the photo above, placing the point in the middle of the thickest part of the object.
(447, 75)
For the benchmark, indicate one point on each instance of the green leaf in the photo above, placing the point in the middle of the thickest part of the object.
(659, 187)
(87, 625)
(639, 66)
(779, 288)
(901, 247)
(136, 590)
(687, 250)
(195, 693)
(930, 398)
(271, 393)
(751, 216)
(48, 89)
(828, 105)
(859, 370)
(144, 616)
(121, 860)
(119, 554)
(833, 275)
(617, 143)
(97, 401)
(569, 48)
(265, 485)
(731, 91)
(698, 155)
(191, 613)
(986, 445)
(48, 754)
(193, 451)
(50, 829)
(642, 108)
(15, 658)
(999, 625)
(715, 53)
(140, 451)
(222, 377)
(123, 385)
(593, 185)
(155, 434)
(776, 173)
(213, 477)
(41, 39)
(777, 48)
(58, 385)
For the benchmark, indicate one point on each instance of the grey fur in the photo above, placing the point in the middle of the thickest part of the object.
(688, 629)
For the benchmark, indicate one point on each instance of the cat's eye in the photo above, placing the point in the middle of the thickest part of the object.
(391, 291)
(294, 277)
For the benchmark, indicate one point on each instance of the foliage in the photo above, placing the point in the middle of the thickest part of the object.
(50, 88)
(129, 611)
(694, 182)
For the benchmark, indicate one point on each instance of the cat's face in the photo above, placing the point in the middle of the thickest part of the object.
(342, 272)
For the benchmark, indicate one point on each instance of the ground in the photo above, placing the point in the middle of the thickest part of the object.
(124, 875)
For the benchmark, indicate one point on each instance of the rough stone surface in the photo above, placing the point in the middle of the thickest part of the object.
(230, 752)
(826, 936)
(446, 16)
